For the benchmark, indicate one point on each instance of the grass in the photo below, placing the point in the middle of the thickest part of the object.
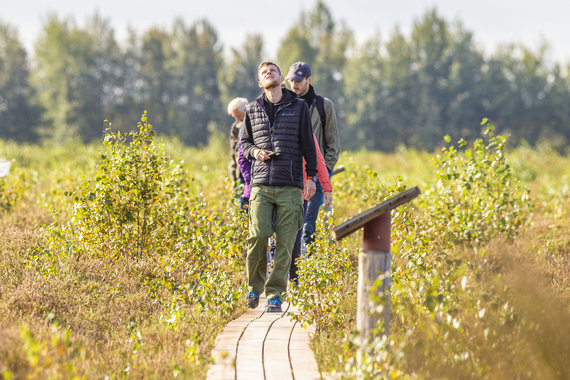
(114, 326)
(514, 314)
(99, 319)
(93, 317)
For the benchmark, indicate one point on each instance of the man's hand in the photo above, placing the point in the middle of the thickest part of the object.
(261, 154)
(309, 189)
(327, 199)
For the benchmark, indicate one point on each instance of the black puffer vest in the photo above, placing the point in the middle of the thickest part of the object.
(286, 168)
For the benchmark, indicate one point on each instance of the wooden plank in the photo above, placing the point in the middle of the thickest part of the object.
(223, 354)
(276, 353)
(249, 364)
(249, 351)
(300, 354)
(224, 351)
(360, 220)
(260, 345)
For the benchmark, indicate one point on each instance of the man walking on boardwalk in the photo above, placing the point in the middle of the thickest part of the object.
(277, 135)
(236, 109)
(323, 121)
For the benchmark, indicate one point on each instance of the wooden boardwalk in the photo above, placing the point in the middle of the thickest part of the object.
(260, 345)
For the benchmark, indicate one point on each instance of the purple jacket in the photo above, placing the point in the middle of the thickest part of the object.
(245, 169)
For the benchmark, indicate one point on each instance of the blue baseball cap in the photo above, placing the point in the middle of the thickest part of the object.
(299, 71)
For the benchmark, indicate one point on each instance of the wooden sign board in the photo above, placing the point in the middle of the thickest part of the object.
(360, 220)
(5, 168)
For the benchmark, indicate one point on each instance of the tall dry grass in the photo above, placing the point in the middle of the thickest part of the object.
(99, 321)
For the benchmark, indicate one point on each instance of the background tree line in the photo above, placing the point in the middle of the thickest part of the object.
(404, 90)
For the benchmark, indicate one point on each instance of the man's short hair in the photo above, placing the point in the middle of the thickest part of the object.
(236, 104)
(267, 63)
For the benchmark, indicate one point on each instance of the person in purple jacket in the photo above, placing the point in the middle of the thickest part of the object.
(245, 168)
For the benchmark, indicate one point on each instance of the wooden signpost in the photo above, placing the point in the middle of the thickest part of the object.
(375, 259)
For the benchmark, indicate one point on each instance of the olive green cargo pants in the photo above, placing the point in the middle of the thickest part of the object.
(287, 203)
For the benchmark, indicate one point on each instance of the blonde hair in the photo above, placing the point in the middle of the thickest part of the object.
(237, 104)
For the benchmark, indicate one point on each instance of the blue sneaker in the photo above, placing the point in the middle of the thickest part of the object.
(273, 305)
(252, 299)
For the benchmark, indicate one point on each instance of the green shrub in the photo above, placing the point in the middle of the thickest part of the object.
(139, 233)
(475, 196)
(473, 200)
(326, 282)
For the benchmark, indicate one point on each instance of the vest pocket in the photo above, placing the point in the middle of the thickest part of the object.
(282, 171)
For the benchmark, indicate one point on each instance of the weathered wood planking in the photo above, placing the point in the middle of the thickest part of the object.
(302, 359)
(249, 359)
(261, 345)
(275, 350)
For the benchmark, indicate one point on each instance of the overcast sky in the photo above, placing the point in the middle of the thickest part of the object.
(492, 21)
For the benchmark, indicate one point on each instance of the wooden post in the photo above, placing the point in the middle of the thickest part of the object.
(375, 259)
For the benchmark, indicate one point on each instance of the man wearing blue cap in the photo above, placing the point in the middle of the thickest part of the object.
(323, 120)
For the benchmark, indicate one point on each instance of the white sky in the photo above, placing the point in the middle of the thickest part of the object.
(492, 21)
